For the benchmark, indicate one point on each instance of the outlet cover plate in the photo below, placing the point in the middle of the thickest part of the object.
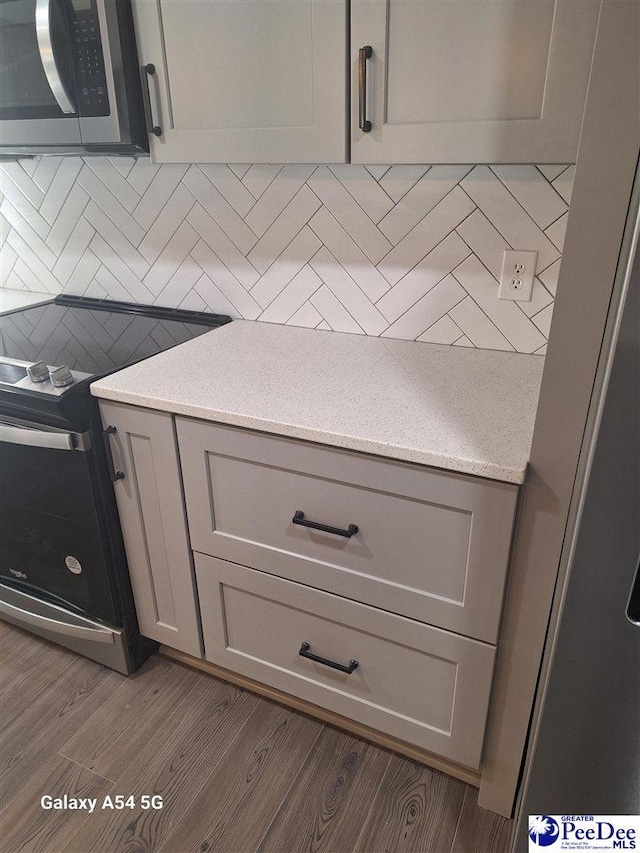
(516, 278)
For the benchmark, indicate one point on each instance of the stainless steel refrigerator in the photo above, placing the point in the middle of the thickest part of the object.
(584, 747)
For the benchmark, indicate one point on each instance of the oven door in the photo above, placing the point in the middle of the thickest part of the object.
(50, 542)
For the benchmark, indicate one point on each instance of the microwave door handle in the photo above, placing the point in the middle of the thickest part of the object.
(48, 57)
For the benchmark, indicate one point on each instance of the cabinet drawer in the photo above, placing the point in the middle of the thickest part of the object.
(430, 545)
(421, 684)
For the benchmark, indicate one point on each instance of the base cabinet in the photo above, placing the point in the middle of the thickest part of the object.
(367, 587)
(143, 448)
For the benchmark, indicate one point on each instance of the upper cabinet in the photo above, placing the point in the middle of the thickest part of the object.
(246, 81)
(441, 81)
(469, 81)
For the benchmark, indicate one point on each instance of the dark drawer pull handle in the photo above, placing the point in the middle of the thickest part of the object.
(363, 54)
(115, 475)
(299, 518)
(147, 71)
(305, 653)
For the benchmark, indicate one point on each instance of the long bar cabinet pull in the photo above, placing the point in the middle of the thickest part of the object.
(298, 518)
(113, 473)
(348, 668)
(364, 54)
(147, 71)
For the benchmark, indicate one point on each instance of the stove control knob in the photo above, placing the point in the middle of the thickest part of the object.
(61, 376)
(38, 372)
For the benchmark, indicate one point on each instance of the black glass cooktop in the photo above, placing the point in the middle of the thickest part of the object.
(98, 336)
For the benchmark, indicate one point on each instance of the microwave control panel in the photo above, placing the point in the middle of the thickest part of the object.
(91, 82)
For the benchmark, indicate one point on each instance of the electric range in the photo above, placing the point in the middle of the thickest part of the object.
(63, 571)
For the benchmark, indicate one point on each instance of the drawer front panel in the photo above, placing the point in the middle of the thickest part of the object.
(421, 684)
(430, 545)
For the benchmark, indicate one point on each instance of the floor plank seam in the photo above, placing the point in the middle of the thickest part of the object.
(293, 782)
(373, 801)
(219, 758)
(84, 767)
(458, 822)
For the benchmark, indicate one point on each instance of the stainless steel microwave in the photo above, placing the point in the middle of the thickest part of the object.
(69, 78)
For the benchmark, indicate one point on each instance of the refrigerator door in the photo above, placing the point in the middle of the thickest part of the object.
(585, 752)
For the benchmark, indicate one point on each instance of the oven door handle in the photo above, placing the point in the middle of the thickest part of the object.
(48, 57)
(66, 629)
(42, 438)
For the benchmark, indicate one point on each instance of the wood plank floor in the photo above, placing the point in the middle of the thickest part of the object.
(236, 772)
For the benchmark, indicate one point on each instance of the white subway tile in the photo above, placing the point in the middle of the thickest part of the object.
(533, 191)
(506, 315)
(434, 305)
(345, 289)
(366, 191)
(478, 327)
(425, 275)
(435, 226)
(348, 253)
(335, 314)
(510, 219)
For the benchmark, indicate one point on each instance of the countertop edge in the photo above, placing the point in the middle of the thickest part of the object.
(492, 471)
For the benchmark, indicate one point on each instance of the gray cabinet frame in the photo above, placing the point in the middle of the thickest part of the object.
(151, 508)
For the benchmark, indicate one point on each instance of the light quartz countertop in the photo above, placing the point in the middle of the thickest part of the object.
(457, 408)
(14, 300)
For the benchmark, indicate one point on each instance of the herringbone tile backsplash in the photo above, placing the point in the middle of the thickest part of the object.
(410, 252)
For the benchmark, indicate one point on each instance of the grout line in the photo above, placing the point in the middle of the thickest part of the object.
(149, 185)
(275, 177)
(393, 202)
(354, 282)
(538, 274)
(133, 245)
(7, 176)
(560, 175)
(289, 203)
(86, 160)
(554, 222)
(60, 208)
(359, 205)
(450, 318)
(415, 183)
(206, 178)
(502, 332)
(521, 205)
(426, 292)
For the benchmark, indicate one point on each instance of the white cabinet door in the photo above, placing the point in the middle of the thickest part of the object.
(471, 81)
(246, 81)
(151, 507)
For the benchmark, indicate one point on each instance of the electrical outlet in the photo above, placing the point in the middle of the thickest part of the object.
(516, 278)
